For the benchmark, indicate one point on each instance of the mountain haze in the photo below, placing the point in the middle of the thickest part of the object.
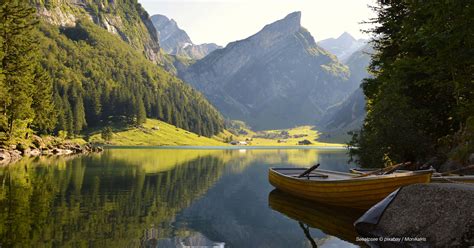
(343, 46)
(349, 115)
(276, 78)
(176, 41)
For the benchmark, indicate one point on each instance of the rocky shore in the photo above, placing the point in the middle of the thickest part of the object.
(423, 215)
(49, 146)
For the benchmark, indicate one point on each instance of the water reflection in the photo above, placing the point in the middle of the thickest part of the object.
(331, 220)
(151, 198)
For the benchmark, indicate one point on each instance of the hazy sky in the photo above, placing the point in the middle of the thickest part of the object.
(223, 21)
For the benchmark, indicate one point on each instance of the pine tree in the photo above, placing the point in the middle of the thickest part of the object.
(141, 113)
(68, 124)
(79, 115)
(3, 92)
(59, 108)
(17, 21)
(43, 106)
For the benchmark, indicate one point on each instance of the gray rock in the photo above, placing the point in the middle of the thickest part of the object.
(59, 151)
(46, 152)
(26, 151)
(35, 152)
(441, 213)
(15, 155)
(450, 165)
(471, 158)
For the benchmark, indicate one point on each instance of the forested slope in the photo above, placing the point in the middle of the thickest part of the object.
(420, 105)
(67, 65)
(97, 77)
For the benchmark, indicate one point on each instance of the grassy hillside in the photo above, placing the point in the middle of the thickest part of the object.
(285, 137)
(156, 133)
(159, 133)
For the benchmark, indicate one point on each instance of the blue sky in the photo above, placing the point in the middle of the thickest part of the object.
(223, 21)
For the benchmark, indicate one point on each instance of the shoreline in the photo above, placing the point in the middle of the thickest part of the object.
(227, 147)
(11, 155)
(15, 153)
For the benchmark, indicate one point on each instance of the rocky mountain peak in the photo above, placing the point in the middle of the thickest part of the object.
(343, 46)
(346, 36)
(176, 41)
(288, 25)
(159, 19)
(346, 39)
(293, 19)
(276, 78)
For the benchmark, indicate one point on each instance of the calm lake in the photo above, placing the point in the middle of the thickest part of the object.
(167, 198)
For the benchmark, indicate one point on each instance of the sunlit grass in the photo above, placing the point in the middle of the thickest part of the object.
(311, 135)
(158, 133)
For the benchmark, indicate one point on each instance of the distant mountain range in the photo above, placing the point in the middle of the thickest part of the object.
(277, 78)
(343, 46)
(176, 41)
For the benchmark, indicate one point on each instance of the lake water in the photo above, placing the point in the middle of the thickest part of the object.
(167, 198)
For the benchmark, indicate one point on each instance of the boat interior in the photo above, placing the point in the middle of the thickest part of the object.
(317, 174)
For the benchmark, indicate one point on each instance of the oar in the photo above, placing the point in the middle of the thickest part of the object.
(381, 170)
(396, 167)
(312, 168)
(308, 234)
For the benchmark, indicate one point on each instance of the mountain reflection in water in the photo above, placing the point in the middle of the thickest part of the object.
(153, 198)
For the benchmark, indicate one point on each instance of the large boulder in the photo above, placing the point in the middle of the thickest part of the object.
(38, 142)
(4, 156)
(424, 215)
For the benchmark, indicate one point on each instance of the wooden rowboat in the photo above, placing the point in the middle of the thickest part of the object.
(435, 178)
(343, 189)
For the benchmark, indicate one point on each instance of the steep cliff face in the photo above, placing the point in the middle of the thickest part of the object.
(276, 78)
(125, 18)
(176, 41)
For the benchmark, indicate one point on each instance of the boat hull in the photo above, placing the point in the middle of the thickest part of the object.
(360, 193)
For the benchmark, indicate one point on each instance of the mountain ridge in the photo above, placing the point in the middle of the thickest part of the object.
(128, 20)
(176, 41)
(343, 46)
